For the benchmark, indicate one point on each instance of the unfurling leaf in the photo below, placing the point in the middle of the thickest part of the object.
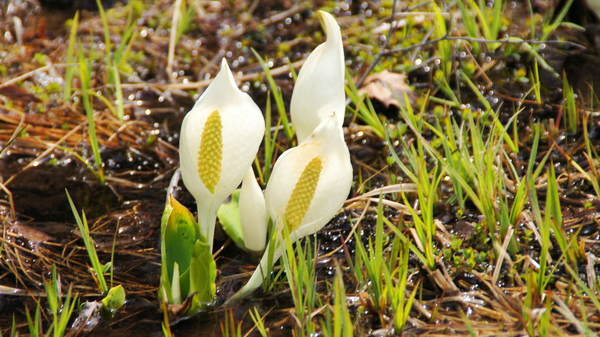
(179, 238)
(114, 300)
(229, 217)
(203, 272)
(188, 268)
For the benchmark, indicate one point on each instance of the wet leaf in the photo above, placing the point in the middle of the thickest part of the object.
(229, 217)
(89, 317)
(203, 272)
(30, 233)
(114, 300)
(387, 87)
(179, 237)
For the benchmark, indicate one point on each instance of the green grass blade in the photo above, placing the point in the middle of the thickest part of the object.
(90, 247)
(70, 71)
(277, 95)
(85, 75)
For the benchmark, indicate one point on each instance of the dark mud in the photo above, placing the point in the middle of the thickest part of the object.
(140, 156)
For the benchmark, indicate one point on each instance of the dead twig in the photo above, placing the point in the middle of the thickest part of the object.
(471, 39)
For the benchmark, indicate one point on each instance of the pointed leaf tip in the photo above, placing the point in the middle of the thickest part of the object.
(179, 214)
(225, 75)
(319, 88)
(330, 26)
(224, 65)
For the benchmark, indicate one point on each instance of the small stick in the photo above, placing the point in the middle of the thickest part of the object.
(173, 38)
(33, 72)
(205, 83)
(11, 201)
(466, 38)
(502, 254)
(174, 181)
(15, 134)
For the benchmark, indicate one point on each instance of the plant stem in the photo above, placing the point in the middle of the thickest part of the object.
(207, 216)
(259, 275)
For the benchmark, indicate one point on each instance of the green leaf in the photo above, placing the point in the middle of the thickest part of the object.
(229, 217)
(188, 267)
(114, 300)
(106, 267)
(203, 273)
(179, 237)
(164, 291)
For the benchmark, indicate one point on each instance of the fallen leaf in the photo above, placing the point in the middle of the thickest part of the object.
(17, 93)
(30, 233)
(89, 317)
(387, 87)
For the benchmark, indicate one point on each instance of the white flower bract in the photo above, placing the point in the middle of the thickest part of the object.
(253, 213)
(219, 139)
(322, 191)
(333, 184)
(319, 89)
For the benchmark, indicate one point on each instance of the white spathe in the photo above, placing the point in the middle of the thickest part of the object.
(334, 182)
(241, 127)
(327, 143)
(253, 213)
(319, 89)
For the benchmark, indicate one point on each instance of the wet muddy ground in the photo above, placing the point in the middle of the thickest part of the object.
(44, 150)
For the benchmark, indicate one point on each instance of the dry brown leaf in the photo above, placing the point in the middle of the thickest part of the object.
(387, 87)
(17, 93)
(30, 233)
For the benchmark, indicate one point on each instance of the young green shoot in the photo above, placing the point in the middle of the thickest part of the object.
(86, 84)
(570, 115)
(61, 311)
(299, 263)
(105, 29)
(259, 322)
(229, 326)
(401, 301)
(188, 269)
(550, 27)
(338, 321)
(373, 261)
(553, 216)
(34, 324)
(364, 111)
(71, 59)
(84, 230)
(444, 47)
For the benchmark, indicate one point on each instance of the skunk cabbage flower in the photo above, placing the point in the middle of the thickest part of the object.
(319, 89)
(253, 213)
(310, 182)
(308, 186)
(219, 139)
